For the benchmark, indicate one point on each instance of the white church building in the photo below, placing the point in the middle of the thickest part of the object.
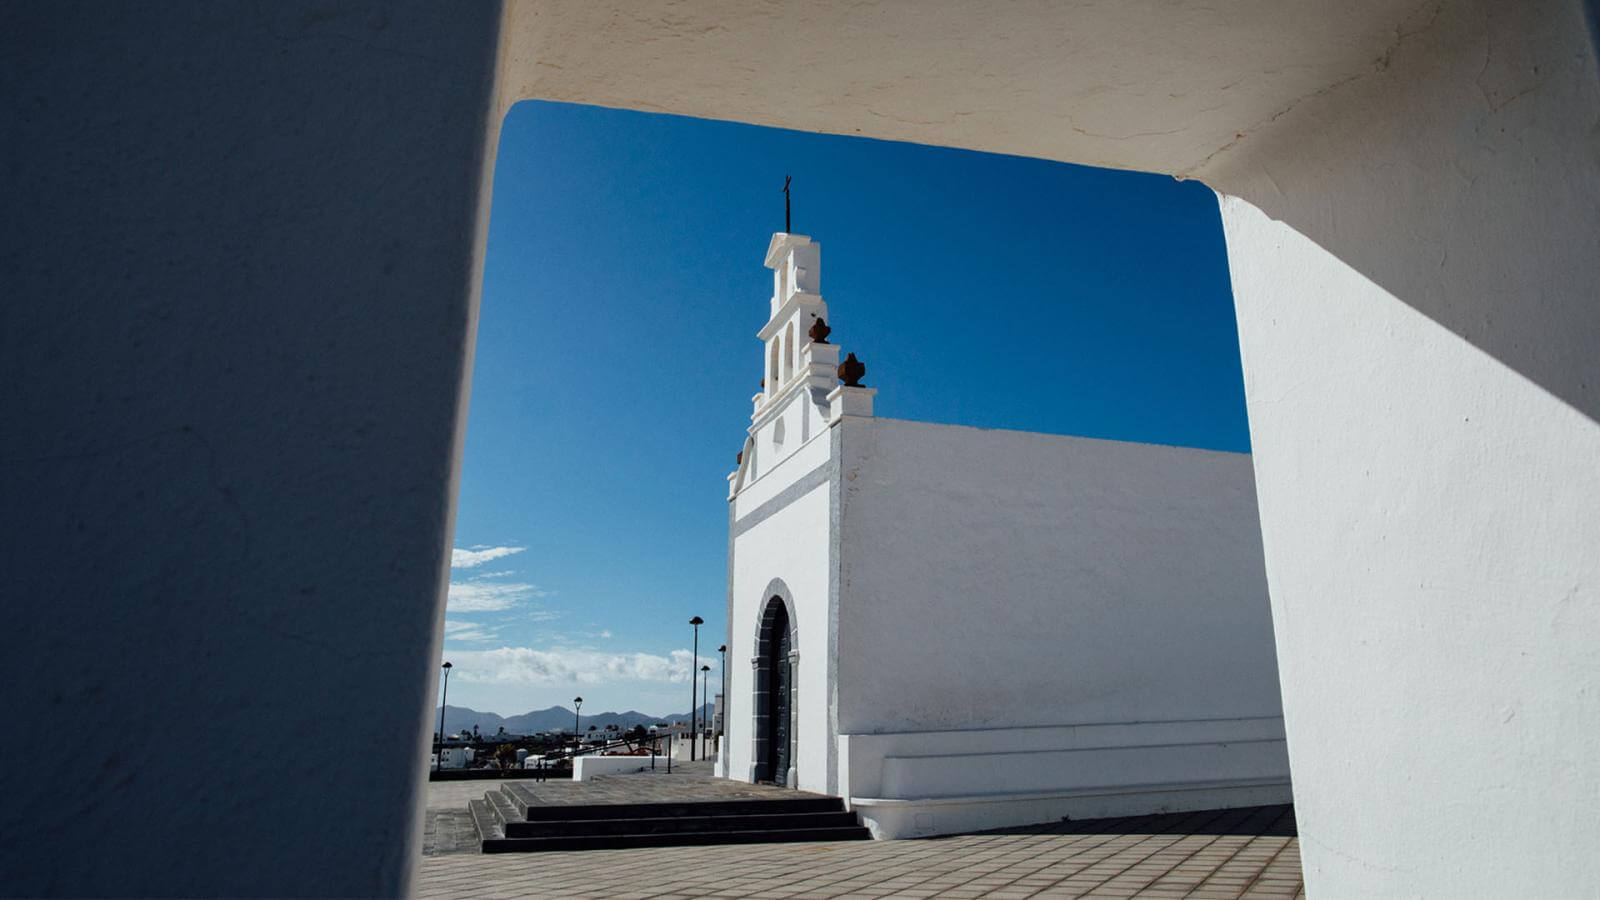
(956, 628)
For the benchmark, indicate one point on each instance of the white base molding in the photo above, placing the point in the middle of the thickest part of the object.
(912, 784)
(890, 819)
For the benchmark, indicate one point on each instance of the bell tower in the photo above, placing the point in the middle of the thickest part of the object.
(792, 358)
(801, 396)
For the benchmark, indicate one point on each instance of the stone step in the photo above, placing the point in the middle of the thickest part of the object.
(682, 824)
(489, 825)
(682, 839)
(505, 809)
(696, 808)
(520, 796)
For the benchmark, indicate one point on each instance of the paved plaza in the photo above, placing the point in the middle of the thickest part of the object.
(1213, 854)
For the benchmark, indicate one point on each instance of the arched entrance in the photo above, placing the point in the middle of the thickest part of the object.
(774, 700)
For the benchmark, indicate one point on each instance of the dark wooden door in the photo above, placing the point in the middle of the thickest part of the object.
(779, 713)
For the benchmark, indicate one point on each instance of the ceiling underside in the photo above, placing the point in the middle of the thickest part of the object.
(1134, 84)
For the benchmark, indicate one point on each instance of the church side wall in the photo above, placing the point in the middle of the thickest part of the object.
(1001, 578)
(1077, 604)
(786, 538)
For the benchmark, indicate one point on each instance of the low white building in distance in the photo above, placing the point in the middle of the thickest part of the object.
(454, 758)
(955, 628)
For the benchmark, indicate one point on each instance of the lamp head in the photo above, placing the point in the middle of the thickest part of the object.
(447, 665)
(697, 621)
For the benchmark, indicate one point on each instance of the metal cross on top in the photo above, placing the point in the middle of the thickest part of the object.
(786, 179)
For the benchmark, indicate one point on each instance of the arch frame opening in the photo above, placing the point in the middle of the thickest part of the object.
(775, 690)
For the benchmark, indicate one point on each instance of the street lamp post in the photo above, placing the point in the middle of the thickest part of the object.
(577, 738)
(723, 650)
(438, 756)
(705, 678)
(694, 710)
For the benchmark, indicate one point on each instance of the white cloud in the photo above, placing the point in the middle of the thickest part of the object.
(490, 596)
(466, 559)
(525, 665)
(456, 630)
(605, 633)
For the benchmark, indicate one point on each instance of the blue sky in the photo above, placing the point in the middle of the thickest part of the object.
(616, 358)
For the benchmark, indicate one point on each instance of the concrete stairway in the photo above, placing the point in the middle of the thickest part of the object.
(509, 820)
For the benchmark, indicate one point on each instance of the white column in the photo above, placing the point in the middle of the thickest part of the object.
(1422, 368)
(239, 302)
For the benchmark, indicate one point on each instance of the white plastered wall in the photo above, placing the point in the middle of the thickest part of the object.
(998, 578)
(1096, 610)
(1432, 540)
(790, 543)
(1422, 363)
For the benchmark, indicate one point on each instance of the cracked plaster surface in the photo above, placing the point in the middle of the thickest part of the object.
(1159, 87)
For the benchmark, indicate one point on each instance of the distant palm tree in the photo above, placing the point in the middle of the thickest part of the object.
(506, 756)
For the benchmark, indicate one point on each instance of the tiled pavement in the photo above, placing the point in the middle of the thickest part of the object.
(1213, 854)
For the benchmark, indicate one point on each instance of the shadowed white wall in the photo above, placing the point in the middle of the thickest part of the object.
(1422, 365)
(1432, 529)
(240, 261)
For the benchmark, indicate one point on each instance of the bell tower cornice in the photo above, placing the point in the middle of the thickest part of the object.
(780, 245)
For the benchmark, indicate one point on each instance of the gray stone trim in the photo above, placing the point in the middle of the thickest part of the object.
(775, 594)
(777, 590)
(804, 485)
(835, 567)
(724, 744)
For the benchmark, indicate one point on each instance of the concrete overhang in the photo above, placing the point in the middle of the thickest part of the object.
(1154, 86)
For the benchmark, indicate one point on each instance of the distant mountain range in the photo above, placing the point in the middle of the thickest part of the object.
(556, 718)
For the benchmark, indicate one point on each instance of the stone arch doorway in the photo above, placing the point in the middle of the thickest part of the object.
(776, 692)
